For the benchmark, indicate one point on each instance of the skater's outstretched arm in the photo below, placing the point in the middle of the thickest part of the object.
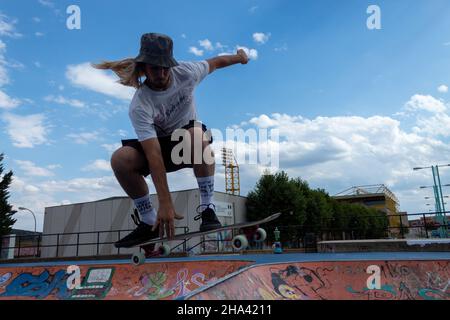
(226, 61)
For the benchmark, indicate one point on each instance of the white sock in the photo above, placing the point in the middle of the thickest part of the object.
(206, 186)
(146, 211)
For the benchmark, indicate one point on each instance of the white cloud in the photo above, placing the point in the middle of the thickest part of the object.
(37, 64)
(39, 34)
(427, 103)
(335, 153)
(206, 44)
(85, 76)
(122, 133)
(47, 3)
(284, 47)
(111, 147)
(90, 187)
(7, 27)
(220, 46)
(437, 125)
(443, 89)
(4, 78)
(263, 121)
(183, 35)
(261, 38)
(61, 100)
(84, 137)
(197, 52)
(27, 100)
(54, 166)
(7, 102)
(15, 64)
(36, 19)
(36, 196)
(98, 165)
(30, 169)
(26, 131)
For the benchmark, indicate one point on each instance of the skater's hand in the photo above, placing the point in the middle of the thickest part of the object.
(244, 58)
(165, 220)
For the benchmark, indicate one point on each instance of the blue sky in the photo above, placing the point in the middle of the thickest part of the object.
(354, 106)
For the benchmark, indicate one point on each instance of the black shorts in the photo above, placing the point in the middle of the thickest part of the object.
(166, 150)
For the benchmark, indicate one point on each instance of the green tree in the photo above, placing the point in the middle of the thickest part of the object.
(277, 193)
(6, 211)
(310, 211)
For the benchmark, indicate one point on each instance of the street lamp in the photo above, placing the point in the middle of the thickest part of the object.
(26, 209)
(420, 168)
(440, 204)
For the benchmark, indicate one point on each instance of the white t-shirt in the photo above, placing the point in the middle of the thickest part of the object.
(159, 113)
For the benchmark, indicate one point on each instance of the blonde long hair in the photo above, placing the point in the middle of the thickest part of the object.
(128, 70)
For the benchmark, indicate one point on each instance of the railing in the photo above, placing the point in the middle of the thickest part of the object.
(300, 236)
(306, 236)
(31, 246)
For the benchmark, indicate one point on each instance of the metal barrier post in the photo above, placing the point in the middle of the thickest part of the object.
(401, 228)
(118, 249)
(38, 246)
(425, 225)
(184, 243)
(57, 245)
(78, 242)
(98, 240)
(18, 252)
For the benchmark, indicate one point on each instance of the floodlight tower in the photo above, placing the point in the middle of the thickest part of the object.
(232, 180)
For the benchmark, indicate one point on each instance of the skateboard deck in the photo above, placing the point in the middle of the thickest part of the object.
(250, 230)
(189, 235)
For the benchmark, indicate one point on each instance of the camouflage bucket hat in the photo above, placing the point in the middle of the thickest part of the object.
(156, 49)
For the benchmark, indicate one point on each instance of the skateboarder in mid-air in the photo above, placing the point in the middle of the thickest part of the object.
(162, 103)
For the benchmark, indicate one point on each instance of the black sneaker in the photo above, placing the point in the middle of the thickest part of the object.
(142, 233)
(209, 219)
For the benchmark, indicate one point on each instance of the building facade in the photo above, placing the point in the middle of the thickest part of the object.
(378, 197)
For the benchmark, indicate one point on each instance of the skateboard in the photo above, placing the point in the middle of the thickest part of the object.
(247, 230)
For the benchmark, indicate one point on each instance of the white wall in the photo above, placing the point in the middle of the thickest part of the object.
(115, 214)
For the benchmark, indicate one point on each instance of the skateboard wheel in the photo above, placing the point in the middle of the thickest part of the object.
(260, 235)
(239, 242)
(138, 258)
(164, 250)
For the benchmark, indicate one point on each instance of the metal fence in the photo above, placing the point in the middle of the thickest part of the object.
(30, 246)
(293, 236)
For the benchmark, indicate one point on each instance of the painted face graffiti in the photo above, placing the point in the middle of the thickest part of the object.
(297, 283)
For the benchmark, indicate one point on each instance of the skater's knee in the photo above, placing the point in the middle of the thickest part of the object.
(125, 158)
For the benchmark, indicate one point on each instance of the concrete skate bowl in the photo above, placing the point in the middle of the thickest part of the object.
(151, 281)
(343, 280)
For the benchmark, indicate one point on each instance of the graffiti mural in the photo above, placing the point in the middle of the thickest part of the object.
(53, 285)
(404, 280)
(399, 280)
(167, 282)
(151, 281)
(4, 278)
